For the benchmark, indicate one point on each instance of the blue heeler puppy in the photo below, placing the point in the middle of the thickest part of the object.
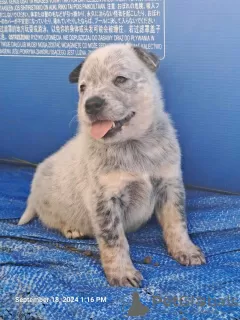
(123, 164)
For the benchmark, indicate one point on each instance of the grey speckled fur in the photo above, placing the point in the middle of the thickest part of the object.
(105, 188)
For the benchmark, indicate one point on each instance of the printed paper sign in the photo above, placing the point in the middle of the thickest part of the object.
(74, 28)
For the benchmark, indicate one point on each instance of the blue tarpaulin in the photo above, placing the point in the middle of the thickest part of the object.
(66, 283)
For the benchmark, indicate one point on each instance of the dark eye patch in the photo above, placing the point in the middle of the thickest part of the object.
(120, 80)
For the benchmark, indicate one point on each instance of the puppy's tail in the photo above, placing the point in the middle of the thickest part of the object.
(28, 215)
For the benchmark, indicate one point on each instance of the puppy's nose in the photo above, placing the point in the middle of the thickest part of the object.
(94, 105)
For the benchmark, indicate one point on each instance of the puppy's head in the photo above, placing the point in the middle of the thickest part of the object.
(118, 92)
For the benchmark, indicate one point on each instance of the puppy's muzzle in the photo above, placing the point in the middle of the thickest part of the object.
(94, 105)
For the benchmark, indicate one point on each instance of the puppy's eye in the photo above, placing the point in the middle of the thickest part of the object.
(120, 80)
(82, 88)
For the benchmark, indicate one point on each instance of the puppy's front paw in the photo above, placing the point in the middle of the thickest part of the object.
(124, 276)
(190, 256)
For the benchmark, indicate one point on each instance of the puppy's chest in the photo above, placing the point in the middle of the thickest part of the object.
(133, 158)
(129, 165)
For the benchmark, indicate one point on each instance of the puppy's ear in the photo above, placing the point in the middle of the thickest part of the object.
(149, 58)
(74, 75)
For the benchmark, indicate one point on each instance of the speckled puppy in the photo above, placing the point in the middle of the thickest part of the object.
(123, 164)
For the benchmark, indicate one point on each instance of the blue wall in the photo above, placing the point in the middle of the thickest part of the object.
(200, 77)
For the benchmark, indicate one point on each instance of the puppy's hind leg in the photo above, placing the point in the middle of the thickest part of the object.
(171, 215)
(72, 233)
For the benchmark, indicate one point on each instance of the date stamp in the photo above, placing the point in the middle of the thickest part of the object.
(61, 299)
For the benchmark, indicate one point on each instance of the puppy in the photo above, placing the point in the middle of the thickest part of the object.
(123, 164)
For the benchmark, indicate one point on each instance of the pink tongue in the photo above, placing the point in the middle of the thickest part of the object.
(100, 128)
